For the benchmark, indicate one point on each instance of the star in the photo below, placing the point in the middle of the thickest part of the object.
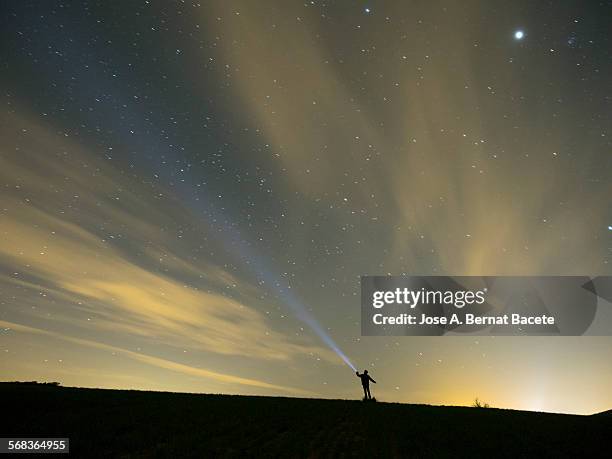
(610, 228)
(519, 35)
(367, 10)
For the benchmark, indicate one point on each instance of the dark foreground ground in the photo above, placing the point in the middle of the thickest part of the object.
(114, 423)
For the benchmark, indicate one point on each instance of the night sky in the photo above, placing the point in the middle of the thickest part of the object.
(182, 183)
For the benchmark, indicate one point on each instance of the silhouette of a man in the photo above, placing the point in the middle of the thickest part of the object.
(365, 382)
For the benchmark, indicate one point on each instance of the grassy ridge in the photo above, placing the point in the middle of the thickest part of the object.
(117, 423)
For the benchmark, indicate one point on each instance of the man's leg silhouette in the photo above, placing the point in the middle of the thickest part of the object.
(365, 392)
(368, 395)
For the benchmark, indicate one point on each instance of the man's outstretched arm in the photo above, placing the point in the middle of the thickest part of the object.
(372, 380)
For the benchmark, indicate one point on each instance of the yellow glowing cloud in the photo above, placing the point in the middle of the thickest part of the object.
(288, 84)
(155, 361)
(450, 193)
(61, 254)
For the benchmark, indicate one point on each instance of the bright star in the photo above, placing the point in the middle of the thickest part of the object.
(609, 228)
(367, 10)
(519, 34)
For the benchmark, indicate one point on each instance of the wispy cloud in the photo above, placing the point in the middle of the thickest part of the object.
(66, 235)
(155, 361)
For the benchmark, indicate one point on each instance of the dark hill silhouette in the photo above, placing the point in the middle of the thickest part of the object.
(122, 423)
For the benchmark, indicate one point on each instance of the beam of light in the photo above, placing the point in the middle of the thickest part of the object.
(302, 314)
(233, 241)
(240, 247)
(258, 266)
(236, 243)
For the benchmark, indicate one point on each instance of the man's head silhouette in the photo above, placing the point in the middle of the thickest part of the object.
(365, 371)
